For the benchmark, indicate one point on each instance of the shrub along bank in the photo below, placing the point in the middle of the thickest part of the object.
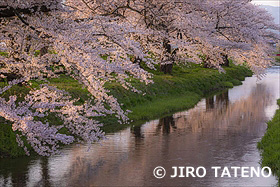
(169, 93)
(270, 144)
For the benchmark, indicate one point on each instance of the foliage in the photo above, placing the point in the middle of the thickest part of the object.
(8, 144)
(270, 144)
(168, 94)
(94, 42)
(277, 58)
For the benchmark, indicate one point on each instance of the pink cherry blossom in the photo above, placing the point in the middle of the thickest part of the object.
(74, 35)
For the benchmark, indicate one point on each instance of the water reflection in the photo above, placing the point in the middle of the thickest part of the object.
(9, 176)
(23, 172)
(166, 125)
(242, 115)
(136, 130)
(221, 130)
(210, 103)
(45, 180)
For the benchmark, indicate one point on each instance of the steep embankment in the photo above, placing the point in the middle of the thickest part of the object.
(169, 93)
(270, 144)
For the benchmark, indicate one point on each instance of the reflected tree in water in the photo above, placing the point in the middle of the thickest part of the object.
(210, 103)
(165, 125)
(243, 113)
(223, 98)
(45, 180)
(220, 100)
(14, 172)
(136, 130)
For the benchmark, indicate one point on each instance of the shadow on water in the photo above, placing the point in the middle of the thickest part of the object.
(9, 174)
(165, 125)
(18, 171)
(222, 130)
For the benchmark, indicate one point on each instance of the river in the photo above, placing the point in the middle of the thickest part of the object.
(222, 130)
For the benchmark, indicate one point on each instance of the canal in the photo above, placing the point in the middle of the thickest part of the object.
(221, 130)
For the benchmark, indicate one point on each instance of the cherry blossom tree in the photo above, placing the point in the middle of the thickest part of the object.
(243, 31)
(79, 40)
(74, 35)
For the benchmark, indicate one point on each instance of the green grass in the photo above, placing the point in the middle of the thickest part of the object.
(4, 54)
(8, 145)
(169, 93)
(270, 145)
(166, 105)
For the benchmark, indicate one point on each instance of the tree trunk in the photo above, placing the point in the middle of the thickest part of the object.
(166, 68)
(7, 11)
(205, 63)
(226, 61)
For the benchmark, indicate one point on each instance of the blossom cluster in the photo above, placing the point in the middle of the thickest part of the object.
(93, 41)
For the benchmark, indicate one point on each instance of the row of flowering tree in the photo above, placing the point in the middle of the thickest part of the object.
(74, 35)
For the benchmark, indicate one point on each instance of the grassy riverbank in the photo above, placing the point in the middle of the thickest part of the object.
(169, 93)
(270, 144)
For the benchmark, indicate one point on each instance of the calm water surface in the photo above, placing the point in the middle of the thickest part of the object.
(222, 130)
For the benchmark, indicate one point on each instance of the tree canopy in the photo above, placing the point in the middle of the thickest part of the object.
(93, 41)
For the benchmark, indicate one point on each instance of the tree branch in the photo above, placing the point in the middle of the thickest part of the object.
(7, 11)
